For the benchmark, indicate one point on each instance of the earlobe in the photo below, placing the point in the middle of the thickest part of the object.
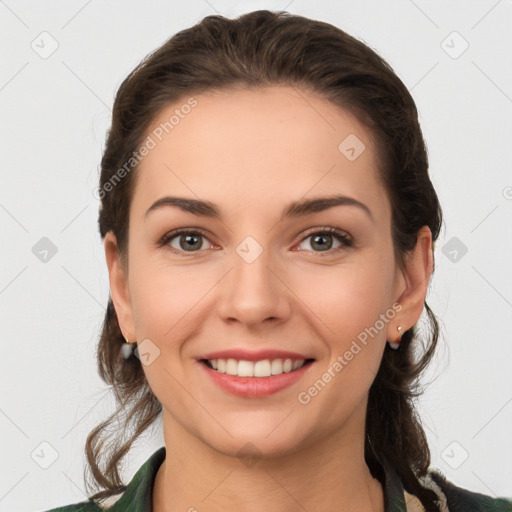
(417, 274)
(396, 346)
(119, 290)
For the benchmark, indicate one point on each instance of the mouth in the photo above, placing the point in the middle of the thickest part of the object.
(255, 379)
(255, 369)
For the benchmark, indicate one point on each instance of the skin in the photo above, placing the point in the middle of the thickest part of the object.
(252, 152)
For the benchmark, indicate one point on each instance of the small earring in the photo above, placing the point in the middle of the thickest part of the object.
(395, 346)
(127, 349)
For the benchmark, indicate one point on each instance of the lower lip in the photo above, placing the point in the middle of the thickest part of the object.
(255, 386)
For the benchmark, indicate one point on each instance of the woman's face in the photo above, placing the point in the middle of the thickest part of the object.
(261, 278)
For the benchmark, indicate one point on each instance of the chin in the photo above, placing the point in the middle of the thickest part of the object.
(252, 441)
(249, 450)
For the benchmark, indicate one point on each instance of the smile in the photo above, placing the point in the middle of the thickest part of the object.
(254, 379)
(262, 368)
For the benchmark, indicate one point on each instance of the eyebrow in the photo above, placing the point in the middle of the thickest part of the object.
(294, 209)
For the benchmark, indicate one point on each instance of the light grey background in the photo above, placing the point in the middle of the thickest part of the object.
(55, 112)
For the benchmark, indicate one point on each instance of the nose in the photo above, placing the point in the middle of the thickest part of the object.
(254, 291)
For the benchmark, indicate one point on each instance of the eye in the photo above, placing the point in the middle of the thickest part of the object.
(322, 240)
(185, 240)
(189, 241)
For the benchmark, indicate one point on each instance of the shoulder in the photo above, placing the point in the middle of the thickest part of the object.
(134, 498)
(457, 499)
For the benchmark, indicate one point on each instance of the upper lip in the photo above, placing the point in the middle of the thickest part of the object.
(251, 355)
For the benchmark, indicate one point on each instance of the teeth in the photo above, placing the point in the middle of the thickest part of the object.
(245, 369)
(231, 366)
(277, 366)
(263, 368)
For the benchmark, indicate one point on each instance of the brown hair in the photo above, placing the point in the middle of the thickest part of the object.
(265, 48)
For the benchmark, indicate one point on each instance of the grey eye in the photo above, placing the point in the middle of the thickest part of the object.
(188, 242)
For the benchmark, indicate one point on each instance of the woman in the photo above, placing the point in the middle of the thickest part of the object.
(268, 223)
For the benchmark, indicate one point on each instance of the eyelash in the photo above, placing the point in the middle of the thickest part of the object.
(345, 240)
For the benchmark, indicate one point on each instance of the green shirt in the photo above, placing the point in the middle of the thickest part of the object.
(138, 496)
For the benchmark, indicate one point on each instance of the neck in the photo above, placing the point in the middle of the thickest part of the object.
(328, 475)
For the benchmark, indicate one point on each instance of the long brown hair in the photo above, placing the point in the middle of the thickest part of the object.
(265, 48)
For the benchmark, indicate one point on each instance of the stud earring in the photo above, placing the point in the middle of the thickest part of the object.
(395, 346)
(127, 349)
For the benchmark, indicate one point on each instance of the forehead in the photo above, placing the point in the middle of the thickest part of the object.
(241, 146)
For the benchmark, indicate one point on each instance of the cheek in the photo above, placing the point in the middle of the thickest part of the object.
(165, 294)
(347, 304)
(164, 302)
(347, 298)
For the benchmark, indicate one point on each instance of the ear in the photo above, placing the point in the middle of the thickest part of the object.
(119, 291)
(415, 278)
